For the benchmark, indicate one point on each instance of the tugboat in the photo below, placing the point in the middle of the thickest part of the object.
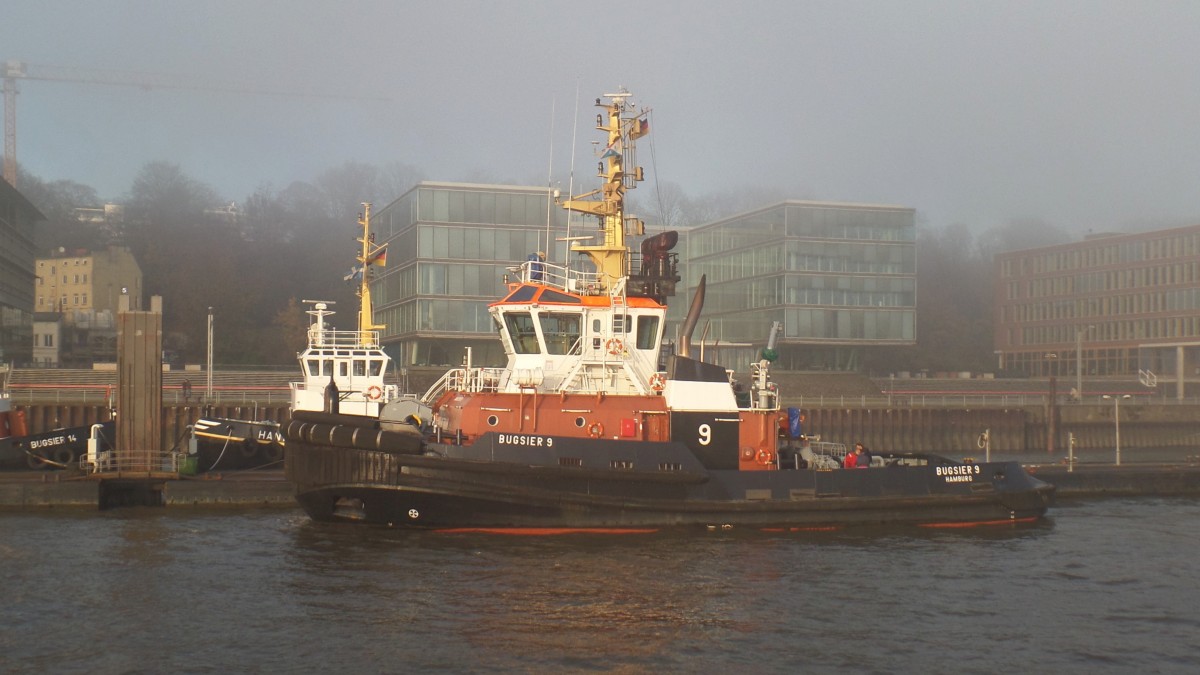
(350, 365)
(592, 426)
(231, 444)
(60, 448)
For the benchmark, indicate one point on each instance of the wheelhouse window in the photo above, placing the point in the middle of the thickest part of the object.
(522, 332)
(561, 332)
(647, 332)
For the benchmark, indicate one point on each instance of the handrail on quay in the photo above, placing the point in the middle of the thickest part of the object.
(233, 395)
(92, 394)
(965, 400)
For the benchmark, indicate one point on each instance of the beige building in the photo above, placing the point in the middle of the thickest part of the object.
(81, 284)
(76, 301)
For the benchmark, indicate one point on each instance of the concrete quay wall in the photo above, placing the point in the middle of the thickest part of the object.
(906, 429)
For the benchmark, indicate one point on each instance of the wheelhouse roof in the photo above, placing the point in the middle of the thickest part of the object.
(526, 294)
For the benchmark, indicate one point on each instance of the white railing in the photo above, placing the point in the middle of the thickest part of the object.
(343, 339)
(559, 276)
(464, 379)
(111, 462)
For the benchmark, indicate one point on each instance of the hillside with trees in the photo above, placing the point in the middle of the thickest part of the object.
(297, 243)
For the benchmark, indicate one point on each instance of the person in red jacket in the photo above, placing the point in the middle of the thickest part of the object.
(850, 461)
(862, 456)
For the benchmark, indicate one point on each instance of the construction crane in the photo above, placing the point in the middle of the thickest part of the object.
(19, 70)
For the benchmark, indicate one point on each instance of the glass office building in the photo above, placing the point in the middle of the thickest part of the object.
(18, 218)
(449, 247)
(839, 277)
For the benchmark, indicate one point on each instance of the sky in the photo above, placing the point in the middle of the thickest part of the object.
(1085, 115)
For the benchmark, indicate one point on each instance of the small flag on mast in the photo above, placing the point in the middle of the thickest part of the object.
(379, 257)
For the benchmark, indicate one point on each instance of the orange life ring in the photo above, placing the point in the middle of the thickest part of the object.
(374, 393)
(596, 430)
(658, 381)
(765, 457)
(614, 346)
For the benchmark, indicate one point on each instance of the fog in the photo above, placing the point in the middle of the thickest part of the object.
(1082, 114)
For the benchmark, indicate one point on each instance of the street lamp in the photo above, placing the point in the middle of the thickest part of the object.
(1117, 420)
(209, 365)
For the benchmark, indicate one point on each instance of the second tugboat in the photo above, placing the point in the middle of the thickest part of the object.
(590, 426)
(348, 365)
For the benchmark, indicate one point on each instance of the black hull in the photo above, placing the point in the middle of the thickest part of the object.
(514, 487)
(225, 444)
(63, 447)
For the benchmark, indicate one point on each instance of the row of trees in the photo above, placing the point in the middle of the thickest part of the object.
(252, 271)
(296, 242)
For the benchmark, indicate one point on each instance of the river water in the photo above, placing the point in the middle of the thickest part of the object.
(1100, 586)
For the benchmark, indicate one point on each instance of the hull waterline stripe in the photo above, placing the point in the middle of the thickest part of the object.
(544, 531)
(976, 523)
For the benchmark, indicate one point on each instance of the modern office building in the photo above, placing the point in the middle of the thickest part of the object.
(18, 218)
(449, 247)
(1116, 303)
(840, 278)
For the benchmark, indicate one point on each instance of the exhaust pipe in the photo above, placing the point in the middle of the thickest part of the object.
(689, 323)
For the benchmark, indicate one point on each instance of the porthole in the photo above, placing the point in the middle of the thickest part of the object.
(579, 422)
(493, 420)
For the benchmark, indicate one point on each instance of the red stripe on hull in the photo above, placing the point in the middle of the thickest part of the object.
(824, 528)
(544, 531)
(977, 523)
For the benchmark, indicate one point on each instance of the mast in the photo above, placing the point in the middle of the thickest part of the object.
(611, 255)
(370, 255)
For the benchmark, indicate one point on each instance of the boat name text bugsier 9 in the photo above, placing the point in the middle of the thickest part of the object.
(959, 474)
(525, 439)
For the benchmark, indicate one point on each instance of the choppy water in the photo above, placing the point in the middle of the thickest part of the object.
(1102, 586)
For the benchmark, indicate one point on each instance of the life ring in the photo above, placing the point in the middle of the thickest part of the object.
(765, 457)
(374, 392)
(596, 430)
(658, 381)
(614, 346)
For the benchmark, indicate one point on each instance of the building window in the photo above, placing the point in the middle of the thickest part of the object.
(48, 340)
